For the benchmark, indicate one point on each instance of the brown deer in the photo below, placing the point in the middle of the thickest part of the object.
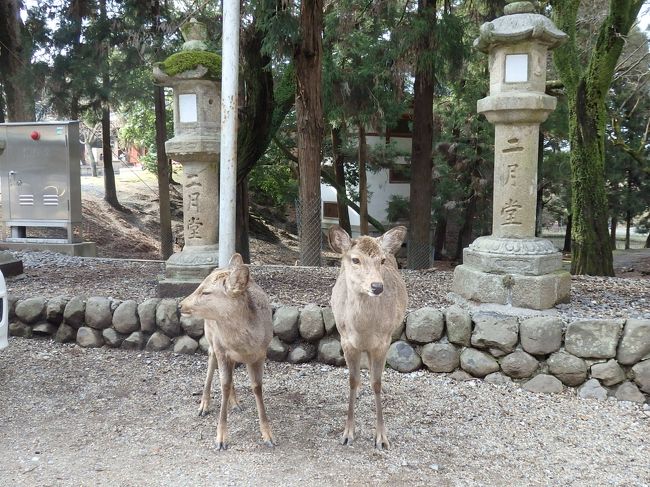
(368, 302)
(238, 327)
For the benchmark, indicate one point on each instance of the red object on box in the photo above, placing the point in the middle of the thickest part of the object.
(35, 135)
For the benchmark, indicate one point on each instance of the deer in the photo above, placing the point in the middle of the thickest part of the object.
(369, 303)
(238, 326)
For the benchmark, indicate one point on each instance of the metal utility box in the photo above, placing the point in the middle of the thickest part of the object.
(40, 179)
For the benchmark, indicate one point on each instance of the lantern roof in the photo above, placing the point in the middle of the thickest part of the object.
(520, 23)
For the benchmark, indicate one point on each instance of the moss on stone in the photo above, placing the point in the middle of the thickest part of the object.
(188, 60)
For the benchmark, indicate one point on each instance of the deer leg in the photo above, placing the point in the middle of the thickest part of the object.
(225, 374)
(207, 387)
(255, 372)
(353, 359)
(233, 402)
(377, 363)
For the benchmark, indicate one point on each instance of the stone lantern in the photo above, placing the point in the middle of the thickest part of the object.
(195, 76)
(512, 266)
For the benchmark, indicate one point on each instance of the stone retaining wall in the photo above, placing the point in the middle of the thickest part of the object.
(602, 357)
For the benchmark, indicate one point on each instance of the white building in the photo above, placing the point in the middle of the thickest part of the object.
(382, 184)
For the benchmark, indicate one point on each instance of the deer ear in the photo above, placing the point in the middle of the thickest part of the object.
(235, 261)
(238, 279)
(339, 239)
(391, 241)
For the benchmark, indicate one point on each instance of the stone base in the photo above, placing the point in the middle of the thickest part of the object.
(524, 256)
(173, 288)
(9, 265)
(83, 249)
(185, 270)
(534, 292)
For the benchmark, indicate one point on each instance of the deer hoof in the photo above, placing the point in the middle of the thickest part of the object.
(269, 444)
(347, 440)
(221, 445)
(382, 444)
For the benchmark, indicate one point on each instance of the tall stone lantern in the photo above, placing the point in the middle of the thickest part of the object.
(195, 76)
(512, 266)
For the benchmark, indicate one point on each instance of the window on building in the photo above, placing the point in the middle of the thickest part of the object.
(330, 210)
(401, 173)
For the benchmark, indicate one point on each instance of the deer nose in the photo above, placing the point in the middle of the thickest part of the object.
(377, 288)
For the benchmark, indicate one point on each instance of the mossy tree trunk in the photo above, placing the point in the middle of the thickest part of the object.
(586, 90)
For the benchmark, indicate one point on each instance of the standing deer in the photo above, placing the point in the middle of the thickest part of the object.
(368, 302)
(238, 327)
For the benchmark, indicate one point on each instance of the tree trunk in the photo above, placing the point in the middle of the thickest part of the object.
(612, 231)
(419, 247)
(15, 62)
(110, 191)
(591, 252)
(628, 225)
(567, 234)
(587, 87)
(339, 176)
(309, 118)
(242, 242)
(363, 182)
(440, 233)
(162, 170)
(465, 233)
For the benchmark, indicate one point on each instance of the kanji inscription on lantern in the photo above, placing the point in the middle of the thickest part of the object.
(193, 201)
(192, 180)
(511, 173)
(509, 210)
(194, 225)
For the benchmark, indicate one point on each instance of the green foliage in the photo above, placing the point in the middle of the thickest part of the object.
(150, 161)
(188, 60)
(398, 208)
(273, 185)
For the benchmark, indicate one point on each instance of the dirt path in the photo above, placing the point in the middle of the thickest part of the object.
(98, 417)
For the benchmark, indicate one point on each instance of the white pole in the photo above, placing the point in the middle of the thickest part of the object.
(228, 162)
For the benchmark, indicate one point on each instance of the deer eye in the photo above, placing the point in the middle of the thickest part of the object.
(382, 261)
(355, 260)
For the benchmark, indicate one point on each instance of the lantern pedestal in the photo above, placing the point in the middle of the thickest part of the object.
(512, 266)
(197, 118)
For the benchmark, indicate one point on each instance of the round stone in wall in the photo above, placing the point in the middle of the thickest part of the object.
(440, 357)
(75, 312)
(478, 363)
(185, 344)
(167, 318)
(89, 337)
(592, 390)
(628, 391)
(112, 338)
(135, 341)
(609, 373)
(495, 331)
(459, 325)
(311, 325)
(277, 350)
(158, 341)
(147, 314)
(544, 383)
(285, 323)
(330, 352)
(641, 375)
(65, 334)
(125, 317)
(303, 352)
(425, 325)
(519, 365)
(54, 309)
(30, 310)
(541, 335)
(571, 370)
(193, 326)
(403, 357)
(98, 312)
(635, 342)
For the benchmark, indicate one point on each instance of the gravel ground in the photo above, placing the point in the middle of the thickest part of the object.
(95, 417)
(49, 274)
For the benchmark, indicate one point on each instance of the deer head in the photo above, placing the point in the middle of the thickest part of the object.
(221, 286)
(365, 259)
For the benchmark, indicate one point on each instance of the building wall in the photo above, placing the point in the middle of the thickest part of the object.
(379, 188)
